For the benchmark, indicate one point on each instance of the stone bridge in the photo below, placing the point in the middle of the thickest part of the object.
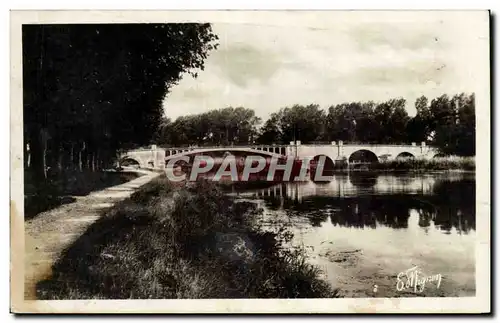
(156, 158)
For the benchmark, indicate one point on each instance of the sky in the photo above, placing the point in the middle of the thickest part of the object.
(271, 65)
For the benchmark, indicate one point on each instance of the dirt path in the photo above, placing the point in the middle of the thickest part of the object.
(50, 232)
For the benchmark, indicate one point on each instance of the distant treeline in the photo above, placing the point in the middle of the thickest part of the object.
(445, 122)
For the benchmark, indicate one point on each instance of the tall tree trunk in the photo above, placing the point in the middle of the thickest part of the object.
(89, 159)
(80, 160)
(68, 157)
(58, 150)
(93, 162)
(44, 137)
(60, 161)
(97, 161)
(27, 154)
(36, 155)
(44, 159)
(80, 163)
(72, 156)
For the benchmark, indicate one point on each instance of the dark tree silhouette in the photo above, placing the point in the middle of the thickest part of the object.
(90, 90)
(228, 126)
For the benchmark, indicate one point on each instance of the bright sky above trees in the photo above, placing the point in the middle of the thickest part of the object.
(267, 67)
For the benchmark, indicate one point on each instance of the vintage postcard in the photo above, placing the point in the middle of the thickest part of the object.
(250, 162)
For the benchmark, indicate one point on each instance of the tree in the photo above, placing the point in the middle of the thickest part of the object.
(340, 124)
(398, 121)
(90, 90)
(367, 129)
(226, 126)
(451, 122)
(419, 127)
(443, 124)
(391, 118)
(304, 123)
(467, 127)
(271, 131)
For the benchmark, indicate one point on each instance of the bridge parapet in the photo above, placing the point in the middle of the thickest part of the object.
(271, 151)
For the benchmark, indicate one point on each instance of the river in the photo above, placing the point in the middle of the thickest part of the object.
(375, 235)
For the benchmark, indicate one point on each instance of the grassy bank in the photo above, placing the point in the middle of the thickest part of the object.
(420, 164)
(59, 189)
(182, 242)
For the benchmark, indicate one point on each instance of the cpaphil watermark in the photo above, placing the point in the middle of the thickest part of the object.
(289, 169)
(414, 279)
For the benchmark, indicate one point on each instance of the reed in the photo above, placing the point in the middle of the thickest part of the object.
(420, 164)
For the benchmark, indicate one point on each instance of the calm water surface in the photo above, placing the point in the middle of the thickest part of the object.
(362, 230)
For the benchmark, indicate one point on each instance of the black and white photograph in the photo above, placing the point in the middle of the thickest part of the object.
(226, 161)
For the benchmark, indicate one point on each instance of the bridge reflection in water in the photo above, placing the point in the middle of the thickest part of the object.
(343, 185)
(364, 200)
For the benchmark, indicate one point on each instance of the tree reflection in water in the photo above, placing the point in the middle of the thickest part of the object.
(450, 204)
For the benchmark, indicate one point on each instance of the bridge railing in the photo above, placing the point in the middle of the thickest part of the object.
(274, 149)
(224, 146)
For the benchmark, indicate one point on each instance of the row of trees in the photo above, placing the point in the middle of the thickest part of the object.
(91, 90)
(446, 122)
(216, 127)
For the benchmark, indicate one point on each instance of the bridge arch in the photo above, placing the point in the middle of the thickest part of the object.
(329, 164)
(129, 161)
(328, 167)
(405, 154)
(364, 156)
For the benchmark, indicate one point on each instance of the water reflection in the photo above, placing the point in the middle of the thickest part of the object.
(360, 200)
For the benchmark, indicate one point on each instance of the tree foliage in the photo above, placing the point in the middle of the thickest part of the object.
(453, 124)
(299, 122)
(90, 90)
(228, 126)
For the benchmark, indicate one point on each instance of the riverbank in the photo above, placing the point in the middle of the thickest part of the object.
(181, 241)
(434, 164)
